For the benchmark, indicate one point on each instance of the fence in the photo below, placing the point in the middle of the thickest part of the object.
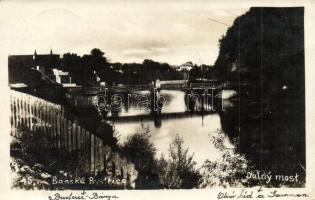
(45, 119)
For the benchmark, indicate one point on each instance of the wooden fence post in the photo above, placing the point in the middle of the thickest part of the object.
(69, 138)
(79, 139)
(74, 136)
(101, 154)
(31, 114)
(39, 124)
(65, 133)
(12, 115)
(92, 154)
(83, 149)
(53, 126)
(96, 155)
(18, 114)
(88, 149)
(59, 144)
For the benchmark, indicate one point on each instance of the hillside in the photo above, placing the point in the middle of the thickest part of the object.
(262, 53)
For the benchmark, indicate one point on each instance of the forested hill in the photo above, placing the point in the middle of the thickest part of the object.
(265, 44)
(262, 55)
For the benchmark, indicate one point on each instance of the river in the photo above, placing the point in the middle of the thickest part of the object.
(196, 130)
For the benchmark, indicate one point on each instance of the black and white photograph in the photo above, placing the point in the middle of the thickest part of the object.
(156, 96)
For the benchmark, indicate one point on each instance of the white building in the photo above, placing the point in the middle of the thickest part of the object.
(185, 67)
(63, 78)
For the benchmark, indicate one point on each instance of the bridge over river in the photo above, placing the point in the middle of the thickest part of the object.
(195, 121)
(152, 101)
(183, 85)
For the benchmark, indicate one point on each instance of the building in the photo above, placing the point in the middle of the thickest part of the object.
(29, 69)
(22, 68)
(63, 78)
(185, 67)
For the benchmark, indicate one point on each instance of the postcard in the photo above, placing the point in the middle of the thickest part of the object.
(157, 100)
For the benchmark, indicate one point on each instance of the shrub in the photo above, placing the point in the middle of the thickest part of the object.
(179, 170)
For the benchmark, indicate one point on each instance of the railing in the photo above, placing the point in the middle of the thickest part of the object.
(204, 85)
(45, 119)
(91, 90)
(175, 84)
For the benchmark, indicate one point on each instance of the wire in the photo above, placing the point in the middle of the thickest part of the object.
(208, 18)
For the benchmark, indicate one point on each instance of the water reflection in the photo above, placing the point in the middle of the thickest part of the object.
(270, 136)
(196, 136)
(195, 128)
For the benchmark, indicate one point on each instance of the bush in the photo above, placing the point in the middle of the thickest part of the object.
(230, 170)
(179, 170)
(141, 151)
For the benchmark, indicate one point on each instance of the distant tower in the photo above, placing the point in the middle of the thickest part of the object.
(35, 55)
(51, 52)
(35, 60)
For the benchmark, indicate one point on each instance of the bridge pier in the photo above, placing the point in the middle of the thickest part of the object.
(156, 101)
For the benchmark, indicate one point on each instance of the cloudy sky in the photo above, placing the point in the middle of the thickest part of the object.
(126, 32)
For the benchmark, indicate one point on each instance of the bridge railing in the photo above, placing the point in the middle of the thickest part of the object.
(178, 84)
(134, 87)
(204, 85)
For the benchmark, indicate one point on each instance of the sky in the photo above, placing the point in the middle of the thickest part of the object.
(126, 32)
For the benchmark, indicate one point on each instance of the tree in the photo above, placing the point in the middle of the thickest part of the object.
(97, 59)
(141, 151)
(265, 63)
(72, 63)
(179, 172)
(87, 69)
(229, 170)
